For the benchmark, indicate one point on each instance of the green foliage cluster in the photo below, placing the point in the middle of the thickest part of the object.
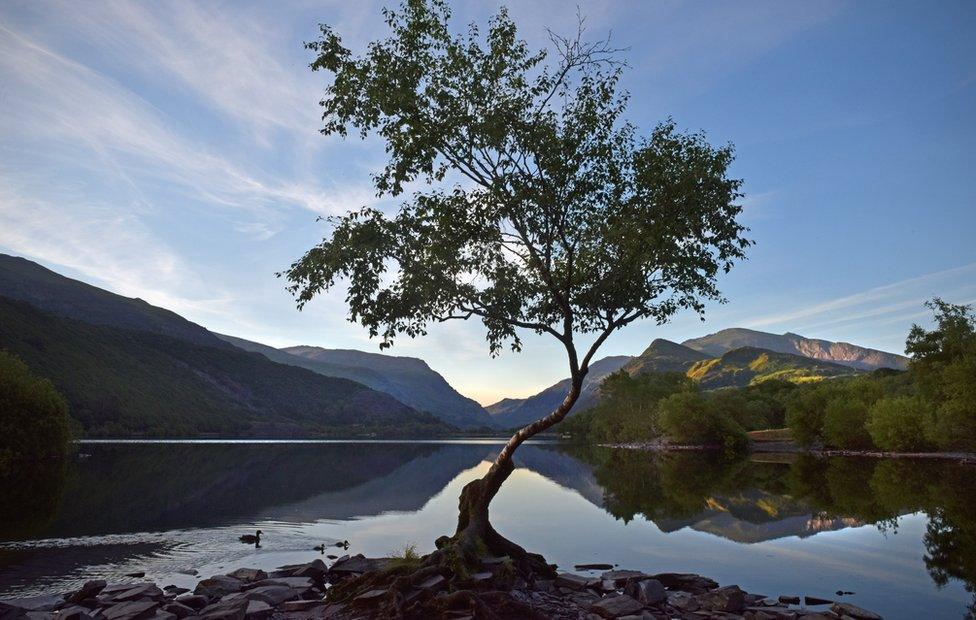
(671, 407)
(33, 415)
(932, 406)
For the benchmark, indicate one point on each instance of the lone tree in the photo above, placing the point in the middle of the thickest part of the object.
(542, 210)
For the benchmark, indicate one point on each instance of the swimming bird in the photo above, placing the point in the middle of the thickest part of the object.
(320, 548)
(344, 544)
(252, 539)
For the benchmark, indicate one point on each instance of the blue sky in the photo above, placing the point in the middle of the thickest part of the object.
(170, 151)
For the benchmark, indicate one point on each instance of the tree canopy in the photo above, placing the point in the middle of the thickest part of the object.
(541, 208)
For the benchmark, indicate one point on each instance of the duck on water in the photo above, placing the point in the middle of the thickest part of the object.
(252, 539)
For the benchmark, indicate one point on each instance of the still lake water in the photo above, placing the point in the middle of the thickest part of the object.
(900, 534)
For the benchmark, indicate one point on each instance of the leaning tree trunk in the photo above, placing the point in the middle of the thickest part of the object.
(475, 535)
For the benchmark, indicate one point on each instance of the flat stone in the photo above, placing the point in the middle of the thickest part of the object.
(193, 601)
(273, 595)
(138, 574)
(814, 600)
(303, 605)
(295, 583)
(74, 612)
(258, 610)
(163, 615)
(225, 610)
(248, 575)
(686, 582)
(593, 567)
(218, 586)
(789, 600)
(131, 610)
(172, 590)
(372, 595)
(179, 609)
(138, 592)
(571, 581)
(728, 598)
(358, 564)
(854, 611)
(433, 583)
(616, 606)
(647, 591)
(189, 571)
(481, 577)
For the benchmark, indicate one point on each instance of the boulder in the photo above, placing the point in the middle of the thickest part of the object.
(616, 606)
(248, 575)
(218, 586)
(622, 577)
(571, 581)
(193, 601)
(647, 591)
(73, 612)
(163, 615)
(358, 564)
(233, 609)
(727, 598)
(172, 590)
(91, 589)
(683, 601)
(686, 582)
(814, 600)
(131, 610)
(789, 600)
(258, 610)
(846, 609)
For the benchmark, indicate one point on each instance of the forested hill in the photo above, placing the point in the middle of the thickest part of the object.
(512, 412)
(129, 383)
(408, 379)
(49, 291)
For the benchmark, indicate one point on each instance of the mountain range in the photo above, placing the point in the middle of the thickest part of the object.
(408, 379)
(129, 368)
(730, 358)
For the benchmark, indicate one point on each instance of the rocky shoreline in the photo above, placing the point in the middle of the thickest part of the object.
(301, 592)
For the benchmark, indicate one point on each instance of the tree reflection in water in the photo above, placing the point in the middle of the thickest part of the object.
(676, 489)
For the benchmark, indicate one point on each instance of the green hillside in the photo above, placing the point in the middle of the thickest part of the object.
(750, 365)
(124, 383)
(42, 288)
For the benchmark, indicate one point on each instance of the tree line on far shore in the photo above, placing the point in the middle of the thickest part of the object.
(932, 406)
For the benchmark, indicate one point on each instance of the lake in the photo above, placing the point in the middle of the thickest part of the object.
(899, 534)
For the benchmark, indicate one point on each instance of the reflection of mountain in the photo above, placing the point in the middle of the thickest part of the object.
(172, 486)
(405, 489)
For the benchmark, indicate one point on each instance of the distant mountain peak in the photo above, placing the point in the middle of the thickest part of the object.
(853, 356)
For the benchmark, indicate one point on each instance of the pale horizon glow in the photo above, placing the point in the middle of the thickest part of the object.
(171, 152)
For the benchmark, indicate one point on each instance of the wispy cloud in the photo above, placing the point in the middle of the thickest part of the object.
(895, 296)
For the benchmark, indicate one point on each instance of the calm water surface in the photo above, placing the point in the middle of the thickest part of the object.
(900, 534)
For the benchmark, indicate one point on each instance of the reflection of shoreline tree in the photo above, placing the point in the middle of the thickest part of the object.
(665, 487)
(31, 495)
